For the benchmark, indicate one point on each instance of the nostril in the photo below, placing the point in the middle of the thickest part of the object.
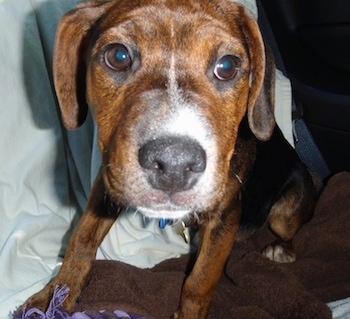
(157, 166)
(199, 163)
(148, 160)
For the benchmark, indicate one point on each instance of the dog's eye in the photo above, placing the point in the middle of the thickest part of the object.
(117, 57)
(227, 67)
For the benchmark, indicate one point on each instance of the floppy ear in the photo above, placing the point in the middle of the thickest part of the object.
(69, 70)
(261, 100)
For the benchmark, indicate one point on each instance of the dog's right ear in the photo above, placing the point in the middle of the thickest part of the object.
(261, 100)
(69, 70)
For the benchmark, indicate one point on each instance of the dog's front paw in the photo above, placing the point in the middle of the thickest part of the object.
(279, 253)
(181, 314)
(192, 310)
(41, 299)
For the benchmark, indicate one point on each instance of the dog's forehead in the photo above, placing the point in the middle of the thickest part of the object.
(218, 9)
(185, 22)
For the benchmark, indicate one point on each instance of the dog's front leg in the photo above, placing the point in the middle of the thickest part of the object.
(217, 237)
(81, 252)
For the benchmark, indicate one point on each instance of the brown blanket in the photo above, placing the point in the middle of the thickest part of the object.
(252, 286)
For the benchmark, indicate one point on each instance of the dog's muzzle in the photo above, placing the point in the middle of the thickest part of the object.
(172, 164)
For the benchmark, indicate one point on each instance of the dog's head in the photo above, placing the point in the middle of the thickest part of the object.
(168, 83)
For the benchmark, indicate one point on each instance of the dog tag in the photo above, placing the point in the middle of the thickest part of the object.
(180, 229)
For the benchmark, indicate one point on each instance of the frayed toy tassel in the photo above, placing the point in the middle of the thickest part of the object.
(56, 311)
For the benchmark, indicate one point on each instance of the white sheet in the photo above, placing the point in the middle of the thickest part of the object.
(34, 201)
(340, 308)
(46, 173)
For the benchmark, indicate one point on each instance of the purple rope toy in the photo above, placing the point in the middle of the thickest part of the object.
(55, 311)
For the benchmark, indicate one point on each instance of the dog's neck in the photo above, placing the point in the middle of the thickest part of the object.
(111, 208)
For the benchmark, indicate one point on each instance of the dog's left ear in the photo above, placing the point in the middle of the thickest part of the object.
(261, 100)
(69, 70)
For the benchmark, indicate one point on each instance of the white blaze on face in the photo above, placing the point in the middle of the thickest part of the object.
(185, 116)
(188, 122)
(184, 119)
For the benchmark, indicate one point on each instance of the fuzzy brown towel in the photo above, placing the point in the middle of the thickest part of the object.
(252, 286)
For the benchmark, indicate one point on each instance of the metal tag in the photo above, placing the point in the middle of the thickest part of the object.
(180, 229)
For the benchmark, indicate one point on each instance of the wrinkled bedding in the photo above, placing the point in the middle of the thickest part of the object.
(46, 172)
(251, 286)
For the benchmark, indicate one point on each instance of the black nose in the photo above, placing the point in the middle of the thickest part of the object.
(172, 164)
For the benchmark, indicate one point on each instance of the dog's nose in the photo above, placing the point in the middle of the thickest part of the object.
(172, 164)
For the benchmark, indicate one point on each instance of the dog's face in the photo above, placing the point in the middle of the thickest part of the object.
(168, 83)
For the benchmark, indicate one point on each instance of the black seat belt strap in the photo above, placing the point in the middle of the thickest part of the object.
(305, 145)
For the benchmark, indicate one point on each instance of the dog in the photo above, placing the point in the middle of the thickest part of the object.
(182, 93)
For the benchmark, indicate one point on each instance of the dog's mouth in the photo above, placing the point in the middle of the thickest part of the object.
(167, 212)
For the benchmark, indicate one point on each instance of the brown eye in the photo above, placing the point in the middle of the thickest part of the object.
(117, 57)
(227, 67)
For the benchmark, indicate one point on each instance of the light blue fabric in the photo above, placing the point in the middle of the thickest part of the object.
(34, 201)
(340, 308)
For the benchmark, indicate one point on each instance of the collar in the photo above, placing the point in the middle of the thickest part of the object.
(179, 227)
